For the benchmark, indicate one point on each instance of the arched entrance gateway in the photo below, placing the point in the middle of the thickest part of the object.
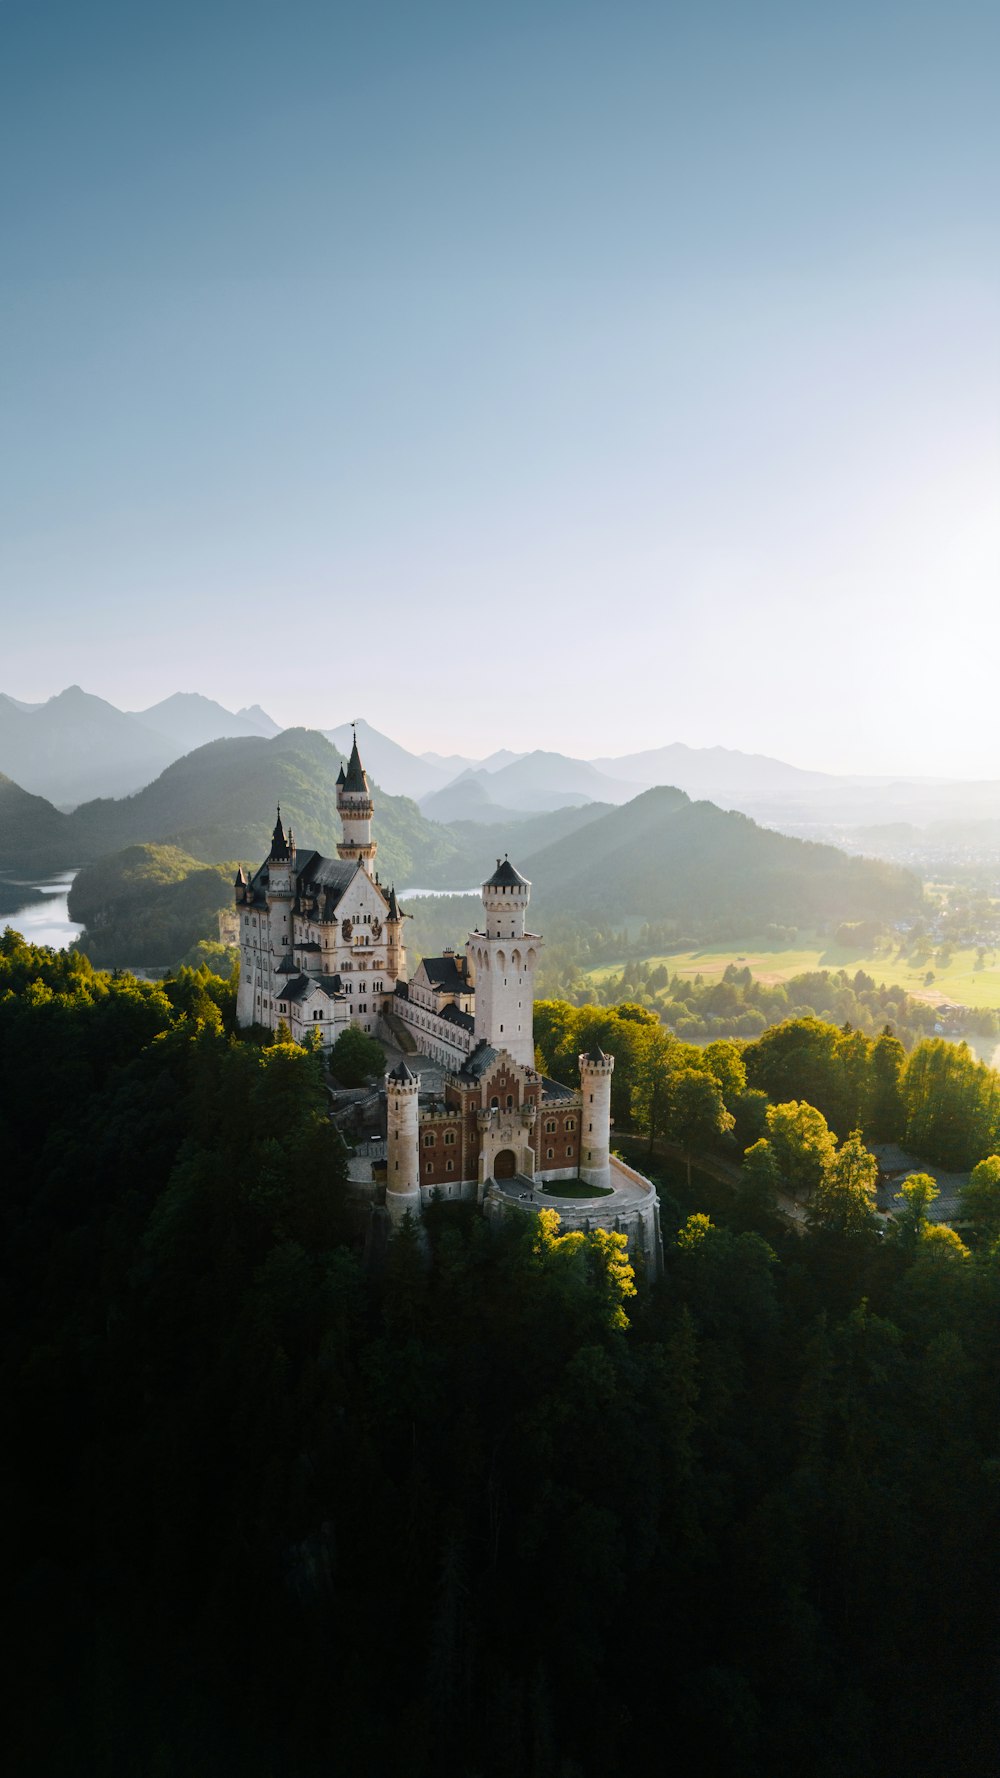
(505, 1164)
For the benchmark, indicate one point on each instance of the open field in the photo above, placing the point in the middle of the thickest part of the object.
(960, 982)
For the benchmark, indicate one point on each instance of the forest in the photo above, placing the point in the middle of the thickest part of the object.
(497, 1507)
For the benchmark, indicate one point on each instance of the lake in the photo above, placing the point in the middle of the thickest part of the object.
(45, 922)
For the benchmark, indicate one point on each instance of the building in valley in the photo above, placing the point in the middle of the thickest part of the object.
(322, 948)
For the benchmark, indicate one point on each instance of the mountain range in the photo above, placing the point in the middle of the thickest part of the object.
(76, 746)
(659, 857)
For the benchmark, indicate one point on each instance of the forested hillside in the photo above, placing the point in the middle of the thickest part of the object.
(34, 836)
(663, 855)
(269, 1512)
(148, 905)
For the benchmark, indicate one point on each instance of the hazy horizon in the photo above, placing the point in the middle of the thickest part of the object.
(582, 378)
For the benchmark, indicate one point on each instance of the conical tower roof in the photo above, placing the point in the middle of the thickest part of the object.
(506, 877)
(279, 844)
(356, 780)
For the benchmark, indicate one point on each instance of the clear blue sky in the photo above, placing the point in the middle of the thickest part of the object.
(576, 375)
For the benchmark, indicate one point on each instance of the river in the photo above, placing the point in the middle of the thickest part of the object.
(44, 922)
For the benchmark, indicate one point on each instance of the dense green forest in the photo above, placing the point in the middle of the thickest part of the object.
(148, 905)
(484, 1510)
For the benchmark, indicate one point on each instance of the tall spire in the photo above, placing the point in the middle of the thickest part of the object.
(356, 779)
(354, 806)
(279, 844)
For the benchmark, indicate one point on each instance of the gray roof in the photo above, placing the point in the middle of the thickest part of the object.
(506, 877)
(594, 1054)
(554, 1089)
(480, 1062)
(446, 973)
(455, 1017)
(298, 987)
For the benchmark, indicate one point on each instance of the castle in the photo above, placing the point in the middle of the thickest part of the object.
(321, 948)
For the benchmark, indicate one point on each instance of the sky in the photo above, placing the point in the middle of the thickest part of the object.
(566, 375)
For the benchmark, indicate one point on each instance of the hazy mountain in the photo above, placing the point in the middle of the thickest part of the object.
(454, 763)
(663, 856)
(190, 720)
(703, 771)
(541, 780)
(76, 746)
(260, 720)
(467, 799)
(449, 764)
(397, 771)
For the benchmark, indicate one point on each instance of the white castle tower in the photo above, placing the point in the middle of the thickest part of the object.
(402, 1177)
(502, 960)
(596, 1070)
(354, 806)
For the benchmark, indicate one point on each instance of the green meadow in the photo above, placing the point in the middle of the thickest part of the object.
(959, 980)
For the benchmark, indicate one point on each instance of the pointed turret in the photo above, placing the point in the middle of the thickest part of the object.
(357, 779)
(354, 806)
(280, 849)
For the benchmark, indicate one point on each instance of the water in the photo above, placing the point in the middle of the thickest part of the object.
(405, 892)
(45, 922)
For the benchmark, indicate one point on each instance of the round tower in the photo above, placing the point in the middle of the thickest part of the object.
(402, 1176)
(596, 1070)
(502, 962)
(355, 808)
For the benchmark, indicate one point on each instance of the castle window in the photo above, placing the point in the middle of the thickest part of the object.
(449, 1137)
(429, 1167)
(449, 1166)
(429, 1141)
(550, 1126)
(549, 1154)
(569, 1152)
(570, 1124)
(510, 1100)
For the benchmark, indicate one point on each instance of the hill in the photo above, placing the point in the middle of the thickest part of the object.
(34, 836)
(218, 802)
(663, 856)
(147, 906)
